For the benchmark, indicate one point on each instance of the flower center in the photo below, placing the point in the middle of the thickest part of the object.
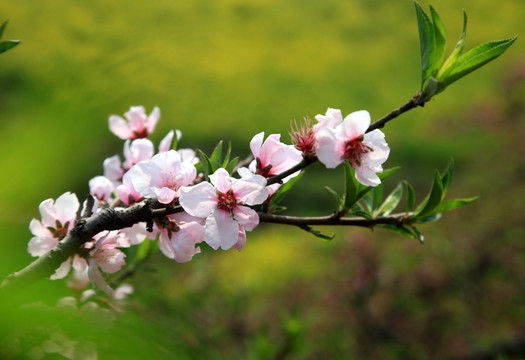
(59, 231)
(226, 201)
(303, 138)
(354, 150)
(263, 171)
(139, 134)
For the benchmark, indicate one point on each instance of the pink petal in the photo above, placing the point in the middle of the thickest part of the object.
(356, 124)
(255, 144)
(199, 200)
(329, 148)
(246, 217)
(62, 270)
(221, 230)
(38, 246)
(221, 180)
(119, 127)
(165, 143)
(153, 118)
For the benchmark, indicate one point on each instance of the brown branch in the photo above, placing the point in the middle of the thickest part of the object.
(410, 104)
(84, 230)
(395, 219)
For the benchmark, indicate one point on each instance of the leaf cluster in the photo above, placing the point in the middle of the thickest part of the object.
(437, 72)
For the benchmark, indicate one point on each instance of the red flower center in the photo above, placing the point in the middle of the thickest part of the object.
(226, 201)
(354, 150)
(59, 231)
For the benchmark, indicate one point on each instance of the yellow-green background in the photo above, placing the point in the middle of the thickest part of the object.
(230, 69)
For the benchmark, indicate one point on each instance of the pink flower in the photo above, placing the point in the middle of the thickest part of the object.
(101, 187)
(304, 138)
(113, 169)
(136, 151)
(126, 192)
(272, 156)
(162, 176)
(107, 257)
(331, 119)
(137, 124)
(366, 152)
(58, 218)
(178, 236)
(223, 206)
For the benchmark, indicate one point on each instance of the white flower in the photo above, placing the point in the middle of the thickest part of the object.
(223, 206)
(162, 176)
(366, 152)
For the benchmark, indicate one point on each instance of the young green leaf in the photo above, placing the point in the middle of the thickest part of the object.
(2, 28)
(411, 196)
(475, 58)
(452, 204)
(231, 165)
(377, 197)
(207, 167)
(440, 40)
(283, 190)
(446, 179)
(227, 156)
(216, 155)
(391, 201)
(417, 233)
(403, 230)
(8, 44)
(351, 187)
(319, 234)
(432, 200)
(451, 60)
(335, 195)
(426, 44)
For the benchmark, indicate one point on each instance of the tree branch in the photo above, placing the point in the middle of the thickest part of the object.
(410, 104)
(395, 219)
(84, 230)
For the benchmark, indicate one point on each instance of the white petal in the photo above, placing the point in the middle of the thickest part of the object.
(221, 230)
(249, 192)
(165, 143)
(356, 124)
(246, 217)
(119, 127)
(199, 200)
(38, 246)
(221, 180)
(255, 144)
(62, 270)
(329, 148)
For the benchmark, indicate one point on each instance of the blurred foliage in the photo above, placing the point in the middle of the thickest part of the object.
(227, 70)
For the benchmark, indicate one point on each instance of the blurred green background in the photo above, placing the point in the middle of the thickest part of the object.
(228, 70)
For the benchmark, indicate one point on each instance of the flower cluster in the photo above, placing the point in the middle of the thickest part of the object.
(215, 209)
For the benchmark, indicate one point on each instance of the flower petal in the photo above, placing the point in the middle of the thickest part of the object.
(221, 230)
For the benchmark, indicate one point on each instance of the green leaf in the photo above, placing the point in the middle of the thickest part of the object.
(215, 158)
(319, 234)
(451, 60)
(435, 216)
(386, 173)
(2, 28)
(426, 44)
(8, 44)
(283, 190)
(351, 187)
(231, 165)
(446, 179)
(432, 200)
(440, 40)
(335, 195)
(377, 197)
(207, 167)
(226, 161)
(417, 233)
(400, 230)
(411, 196)
(452, 204)
(475, 58)
(391, 201)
